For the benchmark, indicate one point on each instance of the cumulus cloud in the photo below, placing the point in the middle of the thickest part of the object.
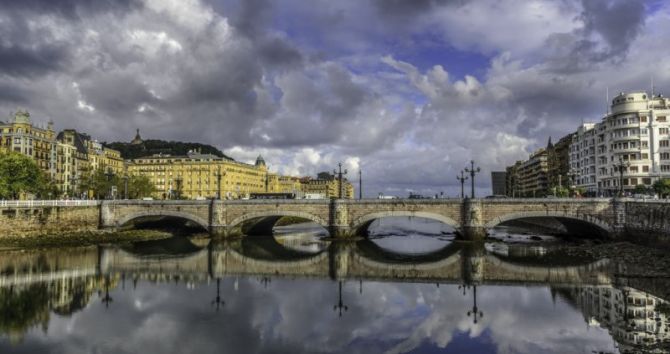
(352, 81)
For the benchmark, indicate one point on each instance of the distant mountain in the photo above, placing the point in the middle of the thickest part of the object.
(152, 147)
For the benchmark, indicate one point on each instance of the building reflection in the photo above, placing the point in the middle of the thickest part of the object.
(36, 284)
(635, 319)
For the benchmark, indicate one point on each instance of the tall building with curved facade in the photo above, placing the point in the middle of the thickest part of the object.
(633, 138)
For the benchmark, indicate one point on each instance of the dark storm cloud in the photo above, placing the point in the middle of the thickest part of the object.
(19, 60)
(615, 24)
(617, 21)
(69, 8)
(116, 95)
(13, 94)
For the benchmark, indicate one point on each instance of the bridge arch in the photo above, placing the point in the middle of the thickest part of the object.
(360, 225)
(600, 225)
(273, 216)
(175, 214)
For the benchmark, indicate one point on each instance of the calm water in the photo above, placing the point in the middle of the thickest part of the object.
(399, 292)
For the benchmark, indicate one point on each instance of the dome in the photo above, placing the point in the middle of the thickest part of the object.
(260, 161)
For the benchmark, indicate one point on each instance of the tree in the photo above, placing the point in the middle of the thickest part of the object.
(138, 187)
(662, 187)
(641, 189)
(99, 183)
(20, 174)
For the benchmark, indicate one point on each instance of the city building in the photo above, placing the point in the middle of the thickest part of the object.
(558, 156)
(22, 136)
(531, 176)
(546, 171)
(328, 186)
(70, 158)
(632, 139)
(498, 182)
(79, 157)
(199, 176)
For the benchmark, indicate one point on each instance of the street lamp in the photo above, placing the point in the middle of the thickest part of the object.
(125, 186)
(339, 178)
(110, 175)
(217, 301)
(178, 181)
(340, 304)
(360, 183)
(472, 170)
(218, 182)
(462, 179)
(475, 311)
(621, 166)
(573, 176)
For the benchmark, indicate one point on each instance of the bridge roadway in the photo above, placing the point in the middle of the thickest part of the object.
(364, 260)
(471, 218)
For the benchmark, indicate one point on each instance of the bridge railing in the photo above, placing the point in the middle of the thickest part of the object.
(46, 203)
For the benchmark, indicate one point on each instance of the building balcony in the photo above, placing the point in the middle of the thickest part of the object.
(629, 137)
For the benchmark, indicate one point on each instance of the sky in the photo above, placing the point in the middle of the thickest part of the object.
(409, 91)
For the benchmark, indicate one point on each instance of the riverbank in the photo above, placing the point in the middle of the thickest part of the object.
(632, 260)
(87, 238)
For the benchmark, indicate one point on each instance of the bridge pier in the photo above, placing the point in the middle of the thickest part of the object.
(472, 228)
(338, 223)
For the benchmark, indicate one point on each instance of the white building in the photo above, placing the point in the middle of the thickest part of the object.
(635, 133)
(583, 158)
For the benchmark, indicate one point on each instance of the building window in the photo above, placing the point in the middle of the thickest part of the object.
(665, 156)
(646, 181)
(663, 130)
(664, 143)
(645, 168)
(660, 119)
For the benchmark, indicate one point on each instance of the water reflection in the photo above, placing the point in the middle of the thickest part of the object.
(255, 295)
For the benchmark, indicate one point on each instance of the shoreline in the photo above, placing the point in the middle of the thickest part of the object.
(81, 239)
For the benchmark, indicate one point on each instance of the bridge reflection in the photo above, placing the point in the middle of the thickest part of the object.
(63, 281)
(363, 260)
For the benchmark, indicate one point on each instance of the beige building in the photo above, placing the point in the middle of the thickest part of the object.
(78, 157)
(529, 178)
(20, 135)
(328, 186)
(196, 176)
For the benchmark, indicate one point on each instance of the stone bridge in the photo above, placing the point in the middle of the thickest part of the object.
(470, 218)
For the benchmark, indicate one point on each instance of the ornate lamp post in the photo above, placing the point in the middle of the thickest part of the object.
(110, 175)
(339, 175)
(621, 166)
(360, 183)
(218, 182)
(340, 304)
(265, 281)
(573, 177)
(475, 311)
(462, 179)
(473, 171)
(217, 300)
(107, 299)
(125, 186)
(178, 181)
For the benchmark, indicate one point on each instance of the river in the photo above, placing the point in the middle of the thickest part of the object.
(409, 288)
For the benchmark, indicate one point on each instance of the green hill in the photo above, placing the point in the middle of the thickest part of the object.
(152, 147)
